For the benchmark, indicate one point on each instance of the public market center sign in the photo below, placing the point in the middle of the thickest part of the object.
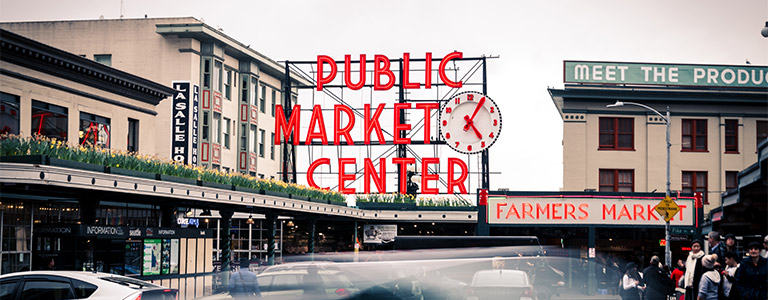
(665, 74)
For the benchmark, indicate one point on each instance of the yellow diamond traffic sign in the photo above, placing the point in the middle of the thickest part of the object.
(667, 208)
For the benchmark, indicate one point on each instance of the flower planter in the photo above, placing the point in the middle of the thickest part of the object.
(214, 185)
(76, 165)
(183, 180)
(447, 208)
(276, 194)
(26, 159)
(247, 190)
(131, 173)
(386, 206)
(338, 203)
(319, 200)
(299, 197)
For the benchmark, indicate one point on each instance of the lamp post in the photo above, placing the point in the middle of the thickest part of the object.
(667, 252)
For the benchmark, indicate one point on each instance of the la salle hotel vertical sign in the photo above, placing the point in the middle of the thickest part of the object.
(185, 122)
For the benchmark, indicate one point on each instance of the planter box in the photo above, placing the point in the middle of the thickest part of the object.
(76, 165)
(276, 194)
(215, 185)
(319, 200)
(247, 190)
(131, 173)
(447, 208)
(169, 178)
(387, 206)
(26, 159)
(338, 203)
(299, 197)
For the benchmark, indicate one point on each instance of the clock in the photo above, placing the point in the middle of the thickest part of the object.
(470, 122)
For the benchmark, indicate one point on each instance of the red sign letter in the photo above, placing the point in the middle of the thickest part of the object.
(373, 123)
(379, 180)
(428, 71)
(348, 72)
(403, 162)
(459, 181)
(441, 70)
(291, 126)
(311, 171)
(344, 177)
(378, 70)
(317, 117)
(406, 70)
(321, 59)
(399, 127)
(426, 177)
(338, 132)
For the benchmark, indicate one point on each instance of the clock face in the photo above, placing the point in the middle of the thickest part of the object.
(470, 122)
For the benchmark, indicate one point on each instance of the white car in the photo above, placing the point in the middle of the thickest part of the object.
(54, 285)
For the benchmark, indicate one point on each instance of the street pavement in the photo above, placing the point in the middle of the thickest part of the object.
(574, 295)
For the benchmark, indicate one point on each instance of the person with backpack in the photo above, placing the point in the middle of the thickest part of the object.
(710, 279)
(243, 284)
(658, 284)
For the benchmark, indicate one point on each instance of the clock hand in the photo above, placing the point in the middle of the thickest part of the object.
(471, 124)
(480, 104)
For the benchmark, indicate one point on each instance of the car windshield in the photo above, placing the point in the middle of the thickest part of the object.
(130, 282)
(499, 278)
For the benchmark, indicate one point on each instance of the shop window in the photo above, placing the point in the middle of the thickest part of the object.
(104, 59)
(695, 182)
(617, 133)
(762, 131)
(694, 135)
(262, 101)
(615, 180)
(272, 146)
(228, 85)
(261, 142)
(216, 128)
(731, 136)
(217, 66)
(731, 180)
(274, 101)
(227, 123)
(133, 135)
(94, 130)
(49, 120)
(9, 113)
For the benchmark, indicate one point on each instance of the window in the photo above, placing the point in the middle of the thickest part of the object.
(613, 180)
(254, 91)
(244, 90)
(226, 132)
(216, 128)
(261, 176)
(253, 143)
(262, 102)
(694, 135)
(272, 146)
(274, 99)
(47, 289)
(207, 73)
(49, 120)
(9, 113)
(731, 136)
(261, 142)
(228, 85)
(94, 130)
(206, 125)
(695, 182)
(83, 289)
(762, 131)
(617, 133)
(133, 135)
(217, 76)
(243, 138)
(731, 180)
(104, 59)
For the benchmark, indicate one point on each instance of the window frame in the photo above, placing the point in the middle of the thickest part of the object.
(133, 135)
(228, 84)
(616, 185)
(11, 112)
(274, 101)
(731, 148)
(262, 140)
(218, 67)
(272, 146)
(760, 136)
(104, 59)
(615, 133)
(694, 185)
(53, 109)
(226, 122)
(262, 100)
(99, 120)
(694, 124)
(734, 175)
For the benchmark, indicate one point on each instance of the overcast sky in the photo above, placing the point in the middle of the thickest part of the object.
(532, 39)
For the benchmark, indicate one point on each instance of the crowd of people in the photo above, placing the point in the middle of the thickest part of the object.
(724, 273)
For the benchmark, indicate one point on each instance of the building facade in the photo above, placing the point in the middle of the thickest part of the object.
(714, 128)
(238, 87)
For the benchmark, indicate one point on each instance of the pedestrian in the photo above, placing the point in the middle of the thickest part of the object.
(752, 275)
(613, 273)
(710, 280)
(631, 286)
(678, 272)
(730, 245)
(764, 252)
(693, 271)
(731, 265)
(243, 284)
(716, 247)
(657, 283)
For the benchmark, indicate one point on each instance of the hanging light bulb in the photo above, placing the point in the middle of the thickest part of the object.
(250, 220)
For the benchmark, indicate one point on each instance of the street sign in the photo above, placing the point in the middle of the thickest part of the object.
(667, 208)
(682, 230)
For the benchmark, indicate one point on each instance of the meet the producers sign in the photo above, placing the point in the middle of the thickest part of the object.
(666, 74)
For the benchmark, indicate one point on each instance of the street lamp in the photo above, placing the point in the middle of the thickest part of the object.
(667, 252)
(764, 32)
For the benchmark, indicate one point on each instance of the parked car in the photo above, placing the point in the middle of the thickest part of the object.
(55, 285)
(307, 282)
(500, 284)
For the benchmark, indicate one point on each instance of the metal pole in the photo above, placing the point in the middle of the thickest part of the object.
(667, 251)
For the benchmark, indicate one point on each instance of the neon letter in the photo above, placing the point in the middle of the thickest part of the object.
(321, 59)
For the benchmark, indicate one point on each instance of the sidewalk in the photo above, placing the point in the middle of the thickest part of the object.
(572, 295)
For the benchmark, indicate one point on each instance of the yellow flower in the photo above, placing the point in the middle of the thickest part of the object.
(118, 165)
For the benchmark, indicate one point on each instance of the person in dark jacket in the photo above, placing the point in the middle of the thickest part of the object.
(718, 247)
(631, 283)
(730, 245)
(657, 283)
(752, 275)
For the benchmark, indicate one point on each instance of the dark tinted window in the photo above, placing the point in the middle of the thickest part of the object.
(83, 289)
(7, 289)
(46, 290)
